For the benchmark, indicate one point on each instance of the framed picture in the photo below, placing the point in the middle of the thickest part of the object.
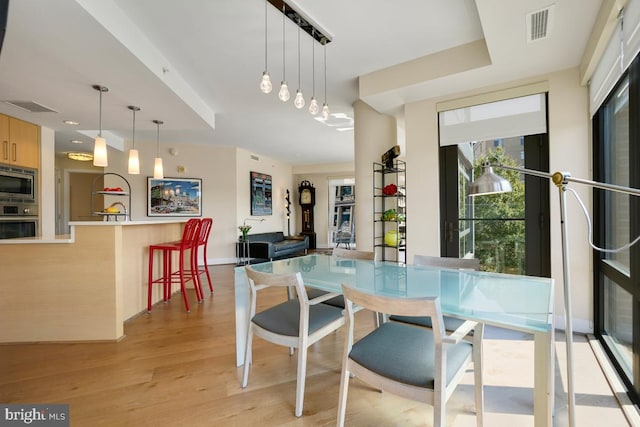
(174, 197)
(260, 193)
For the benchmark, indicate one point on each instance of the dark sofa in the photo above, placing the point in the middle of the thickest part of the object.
(275, 245)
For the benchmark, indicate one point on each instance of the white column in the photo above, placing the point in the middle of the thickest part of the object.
(374, 134)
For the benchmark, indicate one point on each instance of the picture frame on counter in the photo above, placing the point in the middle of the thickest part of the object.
(174, 197)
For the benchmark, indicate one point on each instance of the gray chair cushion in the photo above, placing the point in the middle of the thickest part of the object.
(450, 323)
(335, 302)
(404, 353)
(284, 319)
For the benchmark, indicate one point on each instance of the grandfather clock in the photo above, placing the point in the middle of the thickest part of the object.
(307, 200)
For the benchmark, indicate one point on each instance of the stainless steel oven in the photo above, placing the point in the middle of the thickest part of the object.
(18, 184)
(18, 220)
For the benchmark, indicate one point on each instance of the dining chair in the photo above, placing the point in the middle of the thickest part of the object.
(295, 323)
(450, 323)
(416, 363)
(184, 248)
(346, 254)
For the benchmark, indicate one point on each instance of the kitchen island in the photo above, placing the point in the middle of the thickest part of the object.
(78, 287)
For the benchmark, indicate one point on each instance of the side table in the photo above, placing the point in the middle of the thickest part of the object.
(243, 254)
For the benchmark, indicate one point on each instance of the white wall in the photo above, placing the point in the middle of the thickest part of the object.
(569, 145)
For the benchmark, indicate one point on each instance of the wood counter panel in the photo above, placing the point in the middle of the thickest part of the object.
(135, 256)
(78, 291)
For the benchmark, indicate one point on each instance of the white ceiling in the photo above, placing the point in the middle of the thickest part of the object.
(196, 64)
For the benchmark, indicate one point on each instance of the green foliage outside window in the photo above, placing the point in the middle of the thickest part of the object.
(499, 224)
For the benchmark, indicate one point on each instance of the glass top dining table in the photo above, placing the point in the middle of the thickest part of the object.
(521, 303)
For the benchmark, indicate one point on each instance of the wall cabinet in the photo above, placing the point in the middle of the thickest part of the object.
(20, 142)
(389, 211)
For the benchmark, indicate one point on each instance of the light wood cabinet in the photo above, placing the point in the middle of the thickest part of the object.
(20, 142)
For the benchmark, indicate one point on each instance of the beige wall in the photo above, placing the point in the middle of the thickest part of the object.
(570, 141)
(282, 179)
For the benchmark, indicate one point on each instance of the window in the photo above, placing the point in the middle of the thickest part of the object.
(617, 222)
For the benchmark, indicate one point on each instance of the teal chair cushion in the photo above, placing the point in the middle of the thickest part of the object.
(405, 354)
(284, 319)
(336, 302)
(450, 323)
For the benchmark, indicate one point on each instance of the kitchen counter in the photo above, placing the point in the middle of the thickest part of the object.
(82, 286)
(70, 238)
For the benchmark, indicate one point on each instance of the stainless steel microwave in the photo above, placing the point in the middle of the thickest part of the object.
(18, 184)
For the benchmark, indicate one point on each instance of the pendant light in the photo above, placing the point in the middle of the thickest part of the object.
(158, 173)
(100, 144)
(134, 160)
(313, 105)
(299, 100)
(325, 106)
(265, 83)
(284, 90)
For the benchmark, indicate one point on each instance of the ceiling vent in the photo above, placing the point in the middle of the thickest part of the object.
(539, 24)
(31, 107)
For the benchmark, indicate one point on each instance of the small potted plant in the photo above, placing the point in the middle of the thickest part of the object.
(244, 228)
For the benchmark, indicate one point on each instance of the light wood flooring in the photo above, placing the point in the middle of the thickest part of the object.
(178, 369)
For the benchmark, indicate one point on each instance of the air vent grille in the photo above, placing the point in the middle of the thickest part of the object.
(539, 24)
(31, 107)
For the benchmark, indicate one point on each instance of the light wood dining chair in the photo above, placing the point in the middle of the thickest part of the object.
(295, 323)
(416, 363)
(346, 254)
(450, 323)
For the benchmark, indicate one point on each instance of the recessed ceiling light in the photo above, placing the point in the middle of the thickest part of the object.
(77, 141)
(83, 157)
(338, 121)
(70, 122)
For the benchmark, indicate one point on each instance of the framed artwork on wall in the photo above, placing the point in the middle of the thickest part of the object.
(174, 197)
(260, 193)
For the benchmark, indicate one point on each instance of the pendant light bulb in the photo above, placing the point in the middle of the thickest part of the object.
(314, 108)
(299, 100)
(134, 162)
(325, 106)
(100, 152)
(284, 95)
(325, 111)
(100, 144)
(265, 83)
(158, 172)
(134, 159)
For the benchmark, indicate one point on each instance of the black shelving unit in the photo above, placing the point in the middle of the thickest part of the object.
(389, 211)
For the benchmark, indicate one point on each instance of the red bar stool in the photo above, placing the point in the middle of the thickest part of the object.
(188, 243)
(203, 239)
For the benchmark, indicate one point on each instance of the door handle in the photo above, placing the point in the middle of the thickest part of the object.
(15, 151)
(451, 229)
(5, 150)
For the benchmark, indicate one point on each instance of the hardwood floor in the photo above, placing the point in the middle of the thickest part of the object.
(178, 369)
